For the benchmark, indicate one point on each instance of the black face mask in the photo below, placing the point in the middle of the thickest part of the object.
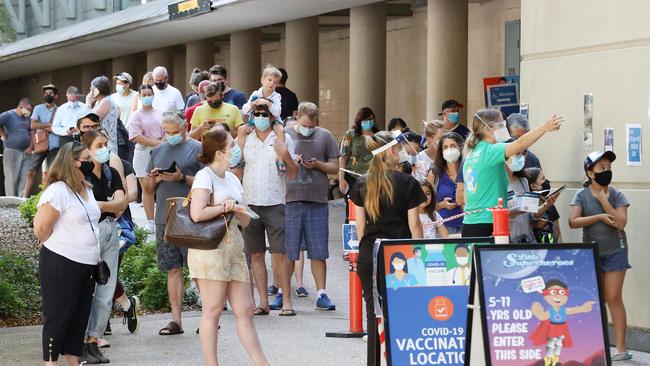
(603, 178)
(215, 104)
(49, 99)
(161, 85)
(87, 167)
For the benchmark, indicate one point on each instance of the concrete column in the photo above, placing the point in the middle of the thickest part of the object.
(301, 58)
(198, 54)
(128, 64)
(177, 77)
(446, 54)
(245, 60)
(161, 57)
(368, 60)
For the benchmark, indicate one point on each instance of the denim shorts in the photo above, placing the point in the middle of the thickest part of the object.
(615, 262)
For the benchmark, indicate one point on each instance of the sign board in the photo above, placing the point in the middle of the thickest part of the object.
(633, 144)
(349, 235)
(541, 304)
(427, 288)
(188, 8)
(502, 92)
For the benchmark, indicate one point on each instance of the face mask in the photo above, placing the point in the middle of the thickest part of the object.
(502, 134)
(161, 85)
(147, 101)
(49, 99)
(87, 167)
(74, 103)
(306, 131)
(215, 104)
(404, 157)
(25, 112)
(453, 117)
(418, 254)
(451, 155)
(119, 88)
(398, 267)
(235, 158)
(367, 125)
(102, 155)
(262, 123)
(462, 261)
(603, 178)
(174, 139)
(517, 163)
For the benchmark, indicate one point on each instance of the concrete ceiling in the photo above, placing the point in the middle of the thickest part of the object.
(122, 37)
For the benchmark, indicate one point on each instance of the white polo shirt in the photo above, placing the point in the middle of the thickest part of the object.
(168, 99)
(263, 184)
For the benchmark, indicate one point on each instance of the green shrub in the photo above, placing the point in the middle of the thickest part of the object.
(19, 286)
(28, 208)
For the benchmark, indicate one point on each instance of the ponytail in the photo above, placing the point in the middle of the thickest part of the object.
(378, 184)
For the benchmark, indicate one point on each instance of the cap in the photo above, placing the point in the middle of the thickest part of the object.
(518, 119)
(451, 103)
(50, 86)
(124, 76)
(92, 116)
(595, 157)
(202, 86)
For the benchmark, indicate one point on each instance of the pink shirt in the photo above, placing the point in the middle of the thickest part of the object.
(147, 124)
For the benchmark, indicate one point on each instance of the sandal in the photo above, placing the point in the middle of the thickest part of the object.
(260, 311)
(287, 312)
(171, 328)
(622, 356)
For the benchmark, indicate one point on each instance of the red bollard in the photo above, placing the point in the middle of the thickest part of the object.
(501, 224)
(356, 310)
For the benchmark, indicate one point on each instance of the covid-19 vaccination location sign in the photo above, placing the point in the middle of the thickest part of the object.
(541, 305)
(427, 286)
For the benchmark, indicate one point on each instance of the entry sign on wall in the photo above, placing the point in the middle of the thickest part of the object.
(503, 95)
(541, 305)
(427, 286)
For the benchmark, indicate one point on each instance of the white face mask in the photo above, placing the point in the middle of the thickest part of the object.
(462, 261)
(502, 134)
(451, 155)
(399, 266)
(404, 157)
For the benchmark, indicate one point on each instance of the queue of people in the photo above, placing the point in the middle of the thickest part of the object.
(233, 154)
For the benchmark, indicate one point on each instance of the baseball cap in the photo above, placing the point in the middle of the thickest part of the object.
(595, 157)
(92, 116)
(202, 85)
(451, 103)
(124, 76)
(51, 87)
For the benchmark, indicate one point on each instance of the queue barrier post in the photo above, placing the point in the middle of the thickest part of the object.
(501, 223)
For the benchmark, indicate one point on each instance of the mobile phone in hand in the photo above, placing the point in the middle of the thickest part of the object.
(252, 214)
(171, 169)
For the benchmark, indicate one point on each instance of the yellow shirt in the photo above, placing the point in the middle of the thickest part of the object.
(227, 113)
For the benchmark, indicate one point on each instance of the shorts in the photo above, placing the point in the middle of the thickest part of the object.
(307, 222)
(36, 160)
(141, 159)
(615, 262)
(169, 256)
(271, 221)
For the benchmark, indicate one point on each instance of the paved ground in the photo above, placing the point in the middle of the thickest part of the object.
(296, 340)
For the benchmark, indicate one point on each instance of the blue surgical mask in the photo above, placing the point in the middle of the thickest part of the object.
(174, 139)
(235, 158)
(453, 117)
(119, 88)
(102, 155)
(367, 125)
(517, 163)
(305, 131)
(262, 123)
(147, 101)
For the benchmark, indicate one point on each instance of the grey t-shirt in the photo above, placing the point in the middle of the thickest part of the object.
(17, 129)
(311, 185)
(162, 157)
(610, 240)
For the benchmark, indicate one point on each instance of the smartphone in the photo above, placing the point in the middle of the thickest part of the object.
(171, 169)
(558, 191)
(252, 214)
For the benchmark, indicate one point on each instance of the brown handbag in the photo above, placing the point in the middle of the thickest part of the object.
(182, 231)
(40, 138)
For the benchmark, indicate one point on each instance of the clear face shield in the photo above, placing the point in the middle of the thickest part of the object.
(407, 154)
(499, 129)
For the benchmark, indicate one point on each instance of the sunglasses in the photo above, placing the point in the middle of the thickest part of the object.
(261, 114)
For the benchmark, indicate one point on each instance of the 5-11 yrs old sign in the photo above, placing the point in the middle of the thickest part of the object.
(541, 305)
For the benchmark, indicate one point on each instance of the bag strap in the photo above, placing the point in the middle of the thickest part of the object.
(56, 108)
(99, 249)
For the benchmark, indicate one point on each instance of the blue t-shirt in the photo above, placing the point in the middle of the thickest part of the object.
(44, 115)
(234, 96)
(447, 188)
(17, 128)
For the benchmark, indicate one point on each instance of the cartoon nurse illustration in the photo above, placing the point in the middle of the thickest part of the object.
(399, 276)
(554, 328)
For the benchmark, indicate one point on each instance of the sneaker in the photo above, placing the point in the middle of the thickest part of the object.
(272, 290)
(91, 355)
(131, 316)
(622, 356)
(108, 330)
(301, 292)
(324, 303)
(277, 303)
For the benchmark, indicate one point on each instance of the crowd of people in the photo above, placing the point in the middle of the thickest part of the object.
(265, 159)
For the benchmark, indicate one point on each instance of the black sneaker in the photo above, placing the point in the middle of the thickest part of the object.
(108, 330)
(131, 316)
(91, 355)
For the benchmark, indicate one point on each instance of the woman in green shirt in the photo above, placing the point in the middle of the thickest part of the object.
(484, 170)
